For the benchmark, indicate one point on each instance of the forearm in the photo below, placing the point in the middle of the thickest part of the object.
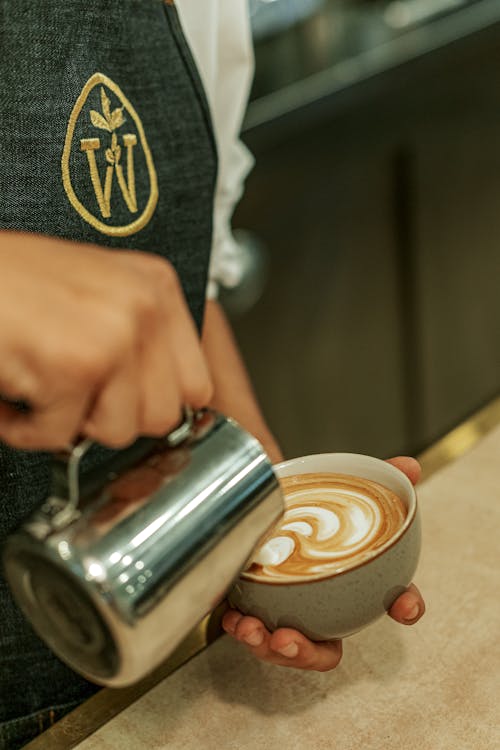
(233, 392)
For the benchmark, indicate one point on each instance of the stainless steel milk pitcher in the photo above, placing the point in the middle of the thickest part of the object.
(121, 562)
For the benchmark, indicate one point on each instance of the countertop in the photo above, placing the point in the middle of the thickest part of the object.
(434, 686)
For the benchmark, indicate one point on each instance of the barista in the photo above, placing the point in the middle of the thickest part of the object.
(107, 146)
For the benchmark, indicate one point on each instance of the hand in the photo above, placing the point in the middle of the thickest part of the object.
(289, 648)
(98, 342)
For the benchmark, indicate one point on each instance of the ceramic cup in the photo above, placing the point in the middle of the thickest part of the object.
(347, 601)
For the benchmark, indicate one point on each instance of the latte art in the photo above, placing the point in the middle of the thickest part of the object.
(332, 522)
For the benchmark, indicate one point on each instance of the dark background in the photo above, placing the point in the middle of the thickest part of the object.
(377, 195)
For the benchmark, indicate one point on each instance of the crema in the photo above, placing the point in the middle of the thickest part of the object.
(332, 522)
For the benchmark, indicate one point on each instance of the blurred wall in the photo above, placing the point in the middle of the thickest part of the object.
(379, 328)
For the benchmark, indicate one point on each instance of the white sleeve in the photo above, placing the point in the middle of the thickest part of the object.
(220, 39)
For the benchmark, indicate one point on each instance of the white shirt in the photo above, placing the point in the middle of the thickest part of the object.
(218, 32)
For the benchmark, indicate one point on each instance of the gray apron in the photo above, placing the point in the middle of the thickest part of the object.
(105, 137)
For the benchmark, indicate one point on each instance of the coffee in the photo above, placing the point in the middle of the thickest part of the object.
(332, 522)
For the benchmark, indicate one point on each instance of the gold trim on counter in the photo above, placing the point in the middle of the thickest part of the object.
(105, 705)
(460, 440)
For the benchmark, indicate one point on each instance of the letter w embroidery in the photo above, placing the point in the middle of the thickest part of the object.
(111, 121)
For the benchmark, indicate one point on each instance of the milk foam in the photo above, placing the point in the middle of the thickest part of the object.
(332, 521)
(276, 551)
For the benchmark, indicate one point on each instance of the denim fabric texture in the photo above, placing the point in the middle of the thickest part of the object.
(16, 733)
(48, 52)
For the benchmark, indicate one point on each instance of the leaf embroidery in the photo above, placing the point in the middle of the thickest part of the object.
(117, 118)
(109, 121)
(98, 121)
(105, 103)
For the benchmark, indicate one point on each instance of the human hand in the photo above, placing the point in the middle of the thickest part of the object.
(289, 648)
(98, 342)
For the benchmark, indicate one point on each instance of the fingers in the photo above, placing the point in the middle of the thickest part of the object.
(114, 419)
(408, 466)
(161, 400)
(409, 607)
(302, 653)
(289, 648)
(285, 647)
(187, 356)
(119, 355)
(51, 429)
(173, 370)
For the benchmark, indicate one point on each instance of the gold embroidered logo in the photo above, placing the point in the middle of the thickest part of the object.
(109, 161)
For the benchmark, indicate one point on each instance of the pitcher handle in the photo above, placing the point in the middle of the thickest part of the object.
(72, 458)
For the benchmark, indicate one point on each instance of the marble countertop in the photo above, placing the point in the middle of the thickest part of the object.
(434, 686)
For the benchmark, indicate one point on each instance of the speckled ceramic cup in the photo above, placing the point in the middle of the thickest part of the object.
(343, 603)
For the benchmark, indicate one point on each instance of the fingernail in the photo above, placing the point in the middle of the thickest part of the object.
(254, 638)
(289, 651)
(231, 629)
(413, 613)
